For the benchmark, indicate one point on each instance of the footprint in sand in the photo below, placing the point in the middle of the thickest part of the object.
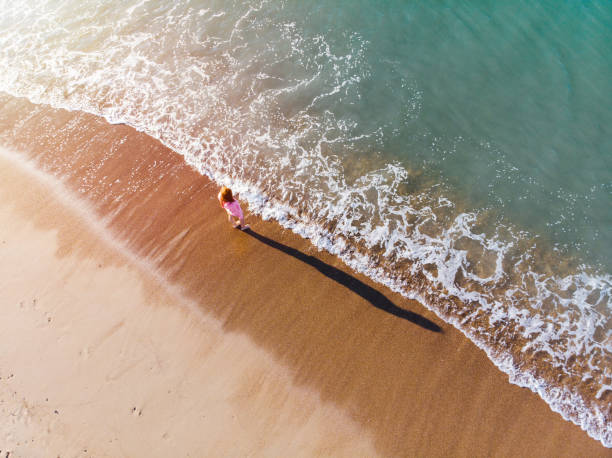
(84, 353)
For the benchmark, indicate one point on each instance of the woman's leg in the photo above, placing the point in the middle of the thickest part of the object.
(236, 222)
(232, 219)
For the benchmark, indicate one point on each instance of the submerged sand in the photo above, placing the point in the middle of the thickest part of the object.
(136, 322)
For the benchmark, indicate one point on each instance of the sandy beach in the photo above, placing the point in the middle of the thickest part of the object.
(137, 322)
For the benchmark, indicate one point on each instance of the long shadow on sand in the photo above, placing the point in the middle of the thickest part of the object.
(373, 296)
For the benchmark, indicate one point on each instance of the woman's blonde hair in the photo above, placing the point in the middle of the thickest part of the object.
(226, 194)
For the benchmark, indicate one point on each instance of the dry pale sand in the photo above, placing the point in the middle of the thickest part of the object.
(101, 358)
(136, 322)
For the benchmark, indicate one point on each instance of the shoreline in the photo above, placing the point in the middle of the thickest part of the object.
(389, 375)
(572, 386)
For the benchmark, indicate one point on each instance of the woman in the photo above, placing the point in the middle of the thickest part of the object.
(232, 207)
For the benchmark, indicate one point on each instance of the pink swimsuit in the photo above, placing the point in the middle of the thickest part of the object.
(233, 208)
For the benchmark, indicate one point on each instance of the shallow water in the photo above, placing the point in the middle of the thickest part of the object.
(457, 152)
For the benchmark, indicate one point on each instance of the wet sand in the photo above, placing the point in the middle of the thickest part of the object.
(133, 310)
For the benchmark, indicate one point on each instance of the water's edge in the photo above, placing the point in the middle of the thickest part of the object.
(570, 405)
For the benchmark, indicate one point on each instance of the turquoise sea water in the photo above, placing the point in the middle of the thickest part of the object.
(447, 149)
(506, 104)
(519, 96)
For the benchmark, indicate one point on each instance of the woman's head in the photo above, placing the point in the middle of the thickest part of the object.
(226, 194)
